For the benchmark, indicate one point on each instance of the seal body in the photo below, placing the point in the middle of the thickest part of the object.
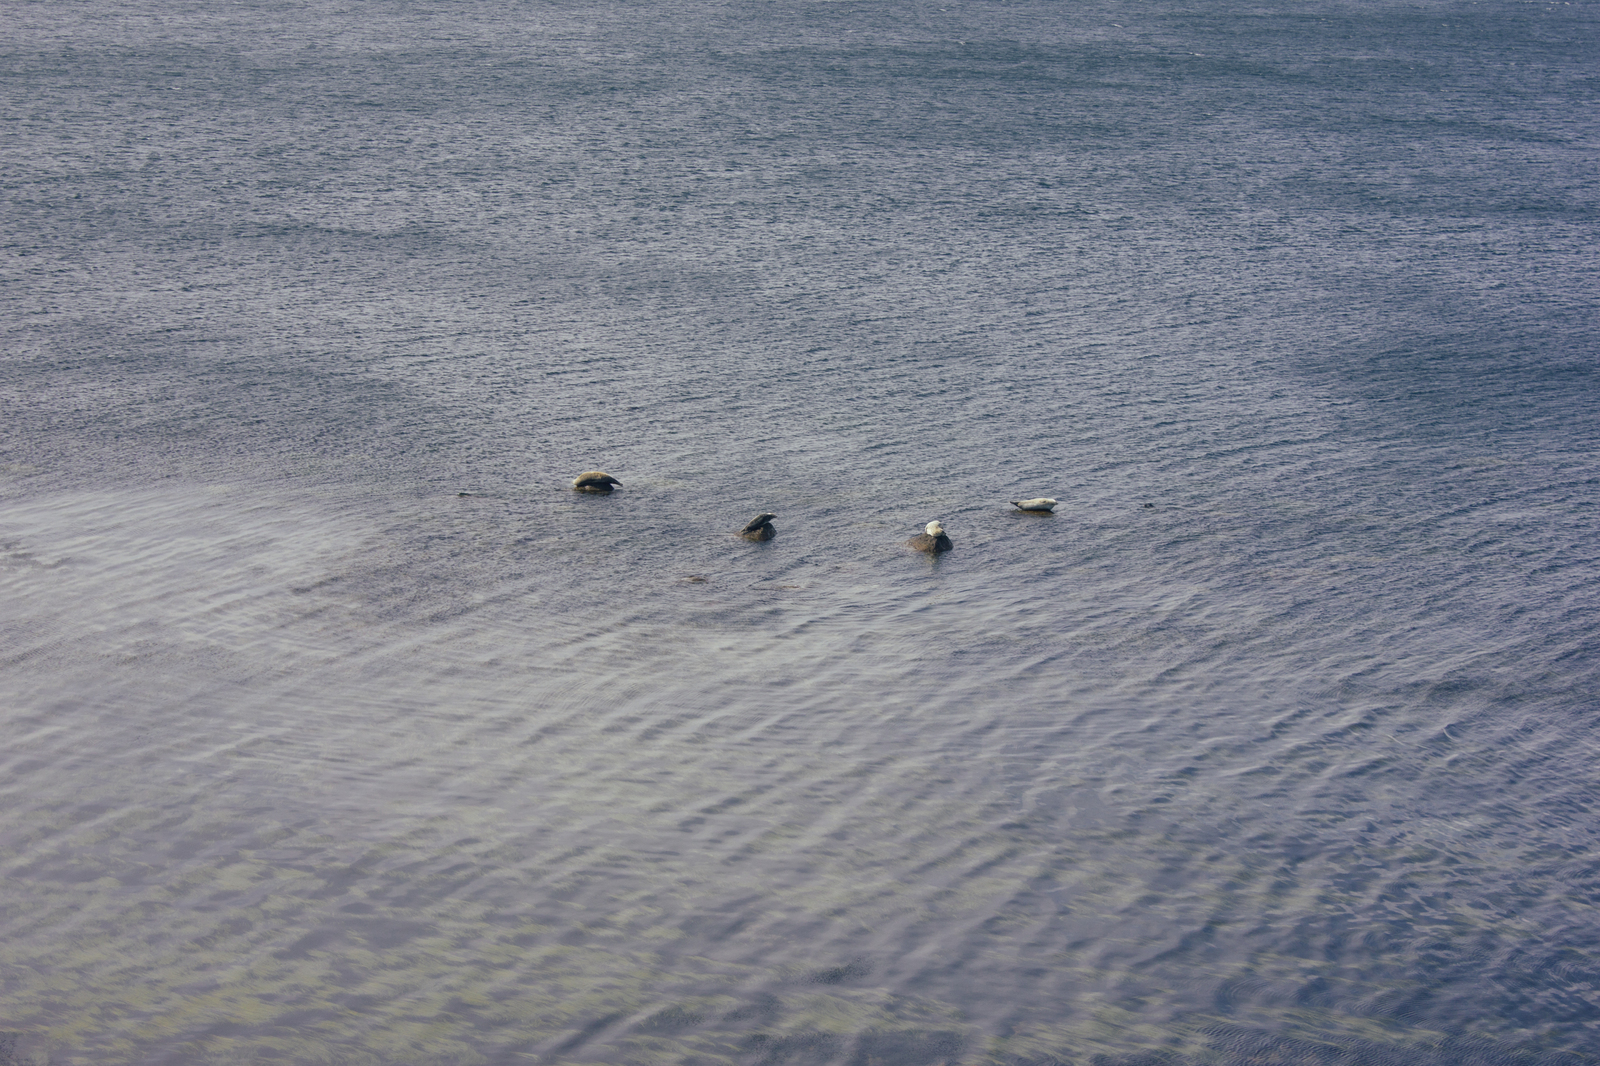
(594, 481)
(1041, 505)
(759, 527)
(932, 540)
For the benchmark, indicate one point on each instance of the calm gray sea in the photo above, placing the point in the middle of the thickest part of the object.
(336, 729)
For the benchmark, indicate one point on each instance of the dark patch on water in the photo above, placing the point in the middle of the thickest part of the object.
(838, 975)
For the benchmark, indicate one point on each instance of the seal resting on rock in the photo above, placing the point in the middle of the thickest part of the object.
(759, 527)
(932, 540)
(1041, 505)
(594, 481)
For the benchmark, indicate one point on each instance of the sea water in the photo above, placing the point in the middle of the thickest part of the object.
(338, 729)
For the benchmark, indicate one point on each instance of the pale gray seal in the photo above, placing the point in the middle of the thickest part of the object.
(594, 481)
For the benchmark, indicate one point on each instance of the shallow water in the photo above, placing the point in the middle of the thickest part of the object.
(338, 729)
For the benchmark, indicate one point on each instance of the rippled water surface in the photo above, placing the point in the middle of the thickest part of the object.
(337, 729)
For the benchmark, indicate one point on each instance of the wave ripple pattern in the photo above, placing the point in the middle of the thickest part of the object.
(338, 729)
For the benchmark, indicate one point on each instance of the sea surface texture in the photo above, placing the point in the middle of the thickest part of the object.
(336, 728)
